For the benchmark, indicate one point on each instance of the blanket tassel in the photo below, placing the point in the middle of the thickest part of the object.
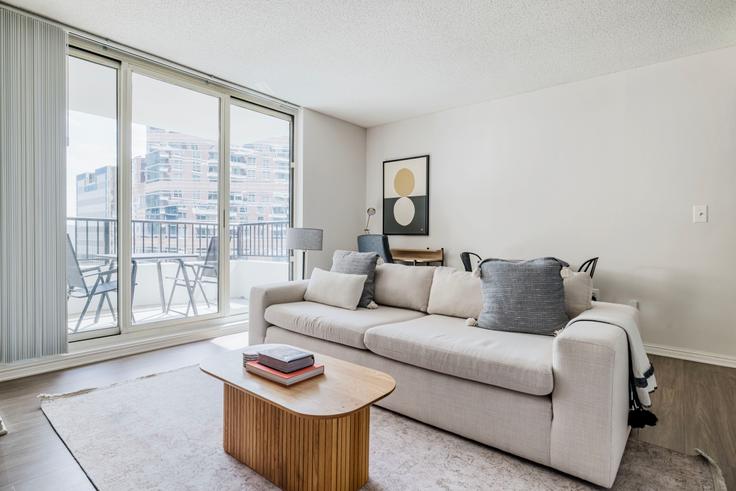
(639, 418)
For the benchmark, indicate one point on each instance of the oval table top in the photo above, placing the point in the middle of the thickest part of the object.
(343, 388)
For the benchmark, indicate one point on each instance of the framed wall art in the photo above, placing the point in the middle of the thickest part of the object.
(406, 196)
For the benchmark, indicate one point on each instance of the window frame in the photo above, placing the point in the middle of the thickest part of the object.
(127, 64)
(107, 62)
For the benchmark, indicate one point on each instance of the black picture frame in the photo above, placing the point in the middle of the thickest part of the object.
(420, 224)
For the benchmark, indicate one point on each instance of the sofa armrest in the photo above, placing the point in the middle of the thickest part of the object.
(590, 401)
(262, 297)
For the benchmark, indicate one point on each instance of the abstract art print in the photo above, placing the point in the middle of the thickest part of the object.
(406, 196)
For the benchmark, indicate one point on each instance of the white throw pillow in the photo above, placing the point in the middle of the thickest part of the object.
(455, 293)
(578, 292)
(337, 289)
(402, 286)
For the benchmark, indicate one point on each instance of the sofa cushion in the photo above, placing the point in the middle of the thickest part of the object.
(516, 361)
(578, 292)
(333, 323)
(455, 293)
(337, 289)
(523, 296)
(358, 263)
(403, 286)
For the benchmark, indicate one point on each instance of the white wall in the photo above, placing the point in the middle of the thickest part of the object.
(606, 167)
(331, 182)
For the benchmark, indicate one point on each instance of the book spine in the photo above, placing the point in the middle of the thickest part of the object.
(284, 366)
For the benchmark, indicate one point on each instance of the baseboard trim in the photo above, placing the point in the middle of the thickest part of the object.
(108, 352)
(691, 355)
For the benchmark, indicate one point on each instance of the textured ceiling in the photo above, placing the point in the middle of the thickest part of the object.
(376, 61)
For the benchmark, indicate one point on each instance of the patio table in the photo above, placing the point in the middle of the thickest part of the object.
(159, 257)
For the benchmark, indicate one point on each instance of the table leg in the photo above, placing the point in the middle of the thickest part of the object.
(161, 293)
(190, 288)
(133, 279)
(173, 289)
(296, 452)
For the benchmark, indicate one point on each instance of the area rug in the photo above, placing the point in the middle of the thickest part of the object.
(165, 432)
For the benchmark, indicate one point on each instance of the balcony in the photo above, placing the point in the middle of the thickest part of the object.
(160, 249)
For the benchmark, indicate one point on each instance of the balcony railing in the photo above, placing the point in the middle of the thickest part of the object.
(94, 236)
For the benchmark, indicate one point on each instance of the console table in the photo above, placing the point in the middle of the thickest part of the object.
(419, 256)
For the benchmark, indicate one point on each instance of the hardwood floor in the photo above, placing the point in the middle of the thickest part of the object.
(696, 406)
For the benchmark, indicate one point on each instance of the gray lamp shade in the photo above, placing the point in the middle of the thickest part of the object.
(304, 239)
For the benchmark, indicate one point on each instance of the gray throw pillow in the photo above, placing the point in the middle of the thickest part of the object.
(523, 296)
(352, 262)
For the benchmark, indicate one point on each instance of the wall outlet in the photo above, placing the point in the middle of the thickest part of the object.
(700, 213)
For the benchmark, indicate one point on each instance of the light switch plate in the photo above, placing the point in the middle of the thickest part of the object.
(700, 213)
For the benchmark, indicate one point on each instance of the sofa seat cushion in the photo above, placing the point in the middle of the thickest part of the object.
(333, 323)
(516, 361)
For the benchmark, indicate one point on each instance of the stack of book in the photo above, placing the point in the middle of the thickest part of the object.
(282, 364)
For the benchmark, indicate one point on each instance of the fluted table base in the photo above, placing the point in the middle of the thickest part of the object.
(297, 452)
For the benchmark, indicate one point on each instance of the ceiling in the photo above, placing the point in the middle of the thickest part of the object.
(375, 61)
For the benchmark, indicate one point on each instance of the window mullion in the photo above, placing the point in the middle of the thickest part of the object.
(125, 191)
(224, 207)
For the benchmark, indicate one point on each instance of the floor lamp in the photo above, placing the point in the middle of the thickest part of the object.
(304, 239)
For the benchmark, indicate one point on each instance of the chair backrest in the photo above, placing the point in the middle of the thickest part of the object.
(210, 260)
(74, 278)
(375, 243)
(589, 266)
(467, 262)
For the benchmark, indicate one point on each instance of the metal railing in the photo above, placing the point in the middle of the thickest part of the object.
(94, 236)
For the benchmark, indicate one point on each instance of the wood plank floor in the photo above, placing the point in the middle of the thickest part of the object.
(696, 405)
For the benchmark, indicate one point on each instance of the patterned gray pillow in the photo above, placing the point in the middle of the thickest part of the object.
(523, 296)
(358, 263)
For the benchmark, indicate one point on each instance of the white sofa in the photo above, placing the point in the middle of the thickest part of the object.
(560, 401)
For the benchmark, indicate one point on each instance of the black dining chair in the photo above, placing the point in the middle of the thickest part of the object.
(375, 243)
(589, 266)
(467, 261)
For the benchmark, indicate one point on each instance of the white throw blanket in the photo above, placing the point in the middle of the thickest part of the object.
(642, 371)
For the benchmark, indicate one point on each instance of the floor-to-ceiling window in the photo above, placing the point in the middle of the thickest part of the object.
(92, 194)
(260, 176)
(179, 195)
(175, 200)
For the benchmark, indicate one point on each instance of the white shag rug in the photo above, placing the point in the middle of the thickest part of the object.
(165, 432)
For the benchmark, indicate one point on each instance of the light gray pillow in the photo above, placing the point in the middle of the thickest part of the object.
(578, 292)
(336, 289)
(406, 287)
(455, 293)
(523, 296)
(352, 262)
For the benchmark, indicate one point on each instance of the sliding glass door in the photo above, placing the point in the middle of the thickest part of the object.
(175, 200)
(92, 197)
(260, 197)
(179, 196)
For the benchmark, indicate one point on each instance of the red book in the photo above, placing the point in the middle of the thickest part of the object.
(284, 378)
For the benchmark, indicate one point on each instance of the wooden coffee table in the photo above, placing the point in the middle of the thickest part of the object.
(310, 436)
